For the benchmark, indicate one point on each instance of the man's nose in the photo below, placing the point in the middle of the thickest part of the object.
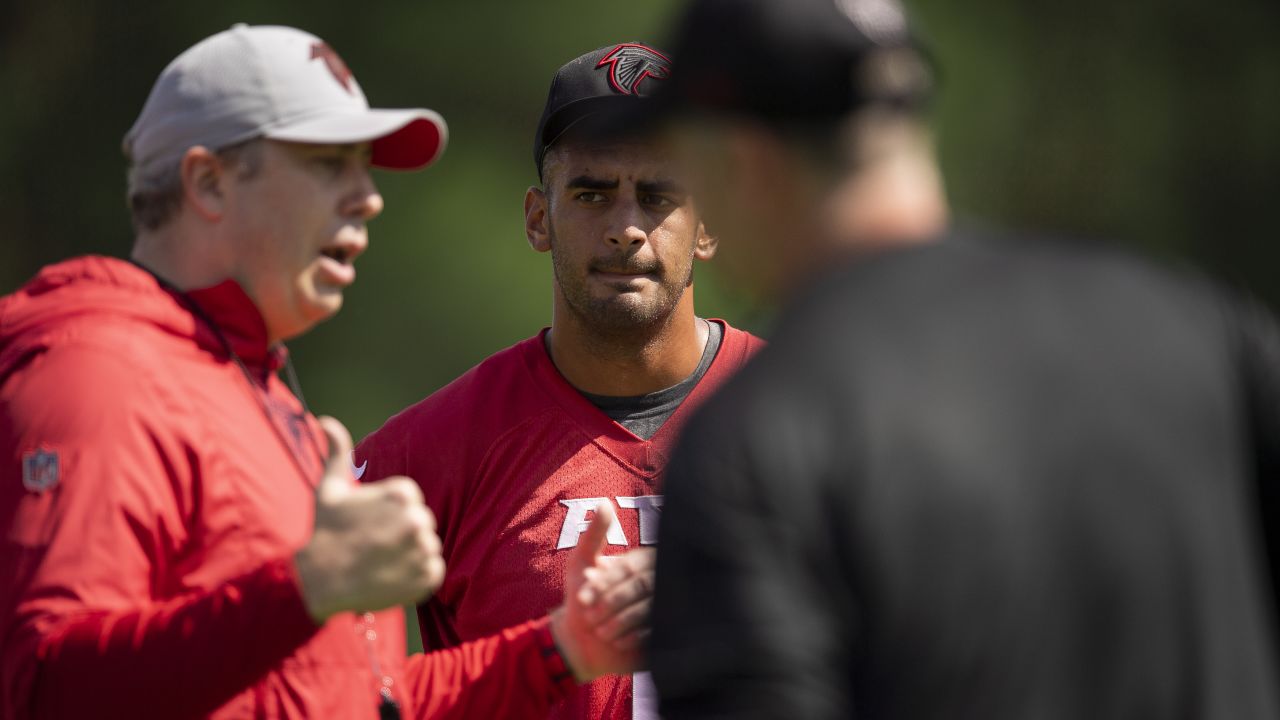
(627, 229)
(364, 202)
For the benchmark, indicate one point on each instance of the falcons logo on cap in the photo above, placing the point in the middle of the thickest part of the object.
(332, 61)
(629, 64)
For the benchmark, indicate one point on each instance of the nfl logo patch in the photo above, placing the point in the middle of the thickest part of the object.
(40, 470)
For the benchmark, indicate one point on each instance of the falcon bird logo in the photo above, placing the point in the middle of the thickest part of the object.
(629, 65)
(332, 61)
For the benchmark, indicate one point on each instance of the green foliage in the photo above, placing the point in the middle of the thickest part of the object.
(1150, 122)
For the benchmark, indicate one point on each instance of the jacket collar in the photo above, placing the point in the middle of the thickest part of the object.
(93, 286)
(238, 320)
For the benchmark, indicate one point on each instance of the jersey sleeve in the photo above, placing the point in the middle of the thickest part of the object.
(517, 673)
(97, 495)
(427, 441)
(743, 619)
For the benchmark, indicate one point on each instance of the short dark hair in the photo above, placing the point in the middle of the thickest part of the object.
(154, 196)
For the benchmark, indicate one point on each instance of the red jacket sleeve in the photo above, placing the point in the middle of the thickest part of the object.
(515, 674)
(90, 624)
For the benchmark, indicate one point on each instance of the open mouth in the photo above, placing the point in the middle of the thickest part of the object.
(340, 270)
(343, 255)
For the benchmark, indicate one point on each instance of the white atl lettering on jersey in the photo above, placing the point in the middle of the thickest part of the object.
(650, 507)
(644, 697)
(575, 520)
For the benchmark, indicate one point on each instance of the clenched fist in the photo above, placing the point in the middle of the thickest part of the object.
(373, 546)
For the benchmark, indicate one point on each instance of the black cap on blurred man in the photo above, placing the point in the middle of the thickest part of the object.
(843, 85)
(973, 478)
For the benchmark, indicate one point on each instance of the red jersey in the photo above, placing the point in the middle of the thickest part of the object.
(512, 459)
(151, 501)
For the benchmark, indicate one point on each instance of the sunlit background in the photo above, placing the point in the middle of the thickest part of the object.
(1149, 123)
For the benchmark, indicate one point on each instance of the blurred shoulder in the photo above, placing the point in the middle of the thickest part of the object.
(985, 275)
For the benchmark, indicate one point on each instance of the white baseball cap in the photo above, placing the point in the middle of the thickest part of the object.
(279, 83)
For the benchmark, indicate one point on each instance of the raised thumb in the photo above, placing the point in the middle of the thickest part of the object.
(592, 540)
(337, 468)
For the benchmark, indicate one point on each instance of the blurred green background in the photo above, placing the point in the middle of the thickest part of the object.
(1153, 123)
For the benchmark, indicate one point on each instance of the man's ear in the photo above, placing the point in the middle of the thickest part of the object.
(203, 175)
(535, 219)
(705, 247)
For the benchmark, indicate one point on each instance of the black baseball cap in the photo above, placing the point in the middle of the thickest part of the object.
(608, 83)
(795, 60)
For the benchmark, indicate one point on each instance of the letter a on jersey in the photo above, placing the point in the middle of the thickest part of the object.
(575, 523)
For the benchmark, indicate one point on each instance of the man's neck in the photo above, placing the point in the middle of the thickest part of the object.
(896, 203)
(636, 362)
(184, 259)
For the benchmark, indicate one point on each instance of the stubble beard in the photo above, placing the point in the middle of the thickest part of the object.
(624, 315)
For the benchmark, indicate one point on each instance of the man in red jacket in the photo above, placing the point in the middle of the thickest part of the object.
(176, 537)
(516, 455)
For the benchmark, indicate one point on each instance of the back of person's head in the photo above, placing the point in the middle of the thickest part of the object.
(840, 80)
(804, 123)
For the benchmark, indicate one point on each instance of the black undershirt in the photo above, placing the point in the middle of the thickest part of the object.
(644, 414)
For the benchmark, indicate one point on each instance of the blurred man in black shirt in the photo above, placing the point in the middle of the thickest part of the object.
(968, 479)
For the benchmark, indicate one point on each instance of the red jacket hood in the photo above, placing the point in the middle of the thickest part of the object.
(81, 293)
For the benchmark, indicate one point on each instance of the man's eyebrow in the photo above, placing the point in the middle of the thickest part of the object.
(660, 187)
(586, 182)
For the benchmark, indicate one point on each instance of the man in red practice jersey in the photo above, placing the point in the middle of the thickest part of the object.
(516, 455)
(176, 538)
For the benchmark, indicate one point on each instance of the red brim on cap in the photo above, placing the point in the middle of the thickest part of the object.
(412, 147)
(401, 139)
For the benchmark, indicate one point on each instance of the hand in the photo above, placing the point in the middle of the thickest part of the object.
(373, 546)
(603, 625)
